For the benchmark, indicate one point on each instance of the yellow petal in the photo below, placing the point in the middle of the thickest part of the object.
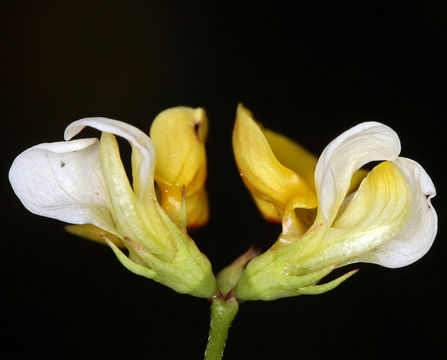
(302, 161)
(197, 209)
(381, 199)
(293, 156)
(273, 186)
(419, 232)
(376, 213)
(92, 232)
(179, 136)
(356, 179)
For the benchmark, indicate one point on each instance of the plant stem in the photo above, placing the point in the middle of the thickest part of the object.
(222, 314)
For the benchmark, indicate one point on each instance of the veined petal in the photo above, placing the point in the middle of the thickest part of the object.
(272, 185)
(378, 211)
(368, 141)
(419, 232)
(143, 152)
(134, 218)
(63, 181)
(382, 198)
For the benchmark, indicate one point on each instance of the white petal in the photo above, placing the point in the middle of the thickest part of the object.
(63, 180)
(377, 212)
(368, 141)
(143, 160)
(417, 236)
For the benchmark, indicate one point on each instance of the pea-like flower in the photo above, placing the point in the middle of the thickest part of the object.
(83, 182)
(333, 213)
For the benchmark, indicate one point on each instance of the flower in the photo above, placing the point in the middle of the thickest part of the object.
(343, 215)
(83, 181)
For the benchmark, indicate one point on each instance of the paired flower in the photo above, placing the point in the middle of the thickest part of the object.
(83, 182)
(339, 215)
(332, 211)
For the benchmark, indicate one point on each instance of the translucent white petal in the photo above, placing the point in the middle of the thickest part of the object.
(143, 156)
(417, 236)
(63, 180)
(368, 141)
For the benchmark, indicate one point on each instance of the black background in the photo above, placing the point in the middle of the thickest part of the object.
(310, 72)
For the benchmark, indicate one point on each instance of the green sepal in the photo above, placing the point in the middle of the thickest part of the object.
(320, 289)
(271, 276)
(133, 218)
(129, 264)
(189, 273)
(159, 247)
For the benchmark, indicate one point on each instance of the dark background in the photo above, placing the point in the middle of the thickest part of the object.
(308, 72)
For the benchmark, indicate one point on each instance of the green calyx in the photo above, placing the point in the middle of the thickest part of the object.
(270, 276)
(159, 248)
(190, 271)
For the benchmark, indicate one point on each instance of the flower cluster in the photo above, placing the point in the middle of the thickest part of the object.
(333, 212)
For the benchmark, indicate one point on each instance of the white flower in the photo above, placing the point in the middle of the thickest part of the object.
(388, 220)
(84, 182)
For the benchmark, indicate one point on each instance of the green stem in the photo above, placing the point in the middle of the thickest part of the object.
(222, 314)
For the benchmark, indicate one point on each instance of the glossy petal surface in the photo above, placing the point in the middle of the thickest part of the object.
(273, 186)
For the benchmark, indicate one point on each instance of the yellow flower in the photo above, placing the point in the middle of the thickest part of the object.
(387, 220)
(278, 172)
(179, 136)
(83, 181)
